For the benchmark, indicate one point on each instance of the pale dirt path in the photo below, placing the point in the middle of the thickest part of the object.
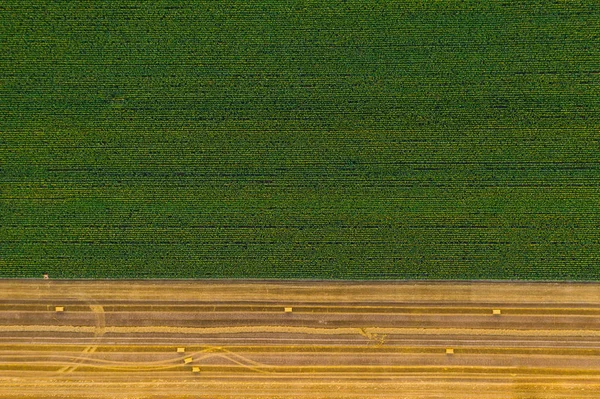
(232, 386)
(288, 292)
(110, 348)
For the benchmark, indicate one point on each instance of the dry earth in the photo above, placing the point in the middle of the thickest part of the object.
(341, 340)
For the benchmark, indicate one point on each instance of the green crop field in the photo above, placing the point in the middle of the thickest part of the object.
(415, 139)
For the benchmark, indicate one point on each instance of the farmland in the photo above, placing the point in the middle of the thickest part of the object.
(319, 140)
(208, 339)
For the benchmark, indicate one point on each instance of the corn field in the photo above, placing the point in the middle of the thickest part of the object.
(313, 139)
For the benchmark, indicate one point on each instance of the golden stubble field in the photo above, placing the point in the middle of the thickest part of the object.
(265, 339)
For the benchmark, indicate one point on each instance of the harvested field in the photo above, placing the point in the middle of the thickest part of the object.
(212, 339)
